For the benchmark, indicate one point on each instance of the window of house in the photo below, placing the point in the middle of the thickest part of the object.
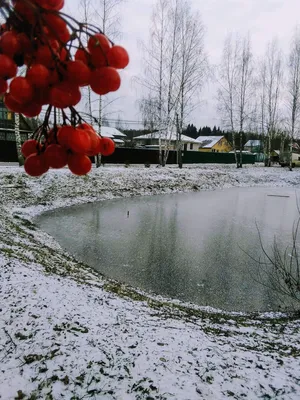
(9, 115)
(11, 136)
(3, 113)
(191, 146)
(2, 135)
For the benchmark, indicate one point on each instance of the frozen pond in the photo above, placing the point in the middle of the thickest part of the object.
(185, 246)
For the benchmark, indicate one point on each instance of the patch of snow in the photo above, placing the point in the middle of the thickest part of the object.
(64, 334)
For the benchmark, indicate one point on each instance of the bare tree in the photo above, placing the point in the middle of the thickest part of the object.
(279, 268)
(245, 90)
(261, 102)
(228, 73)
(236, 79)
(172, 68)
(293, 92)
(108, 11)
(119, 123)
(18, 139)
(148, 108)
(193, 65)
(153, 80)
(173, 71)
(272, 80)
(86, 8)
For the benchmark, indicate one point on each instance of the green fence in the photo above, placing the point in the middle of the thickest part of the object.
(193, 157)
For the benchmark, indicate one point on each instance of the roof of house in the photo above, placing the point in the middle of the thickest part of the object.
(117, 140)
(171, 136)
(207, 142)
(108, 131)
(253, 143)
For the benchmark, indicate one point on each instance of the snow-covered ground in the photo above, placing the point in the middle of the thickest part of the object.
(68, 333)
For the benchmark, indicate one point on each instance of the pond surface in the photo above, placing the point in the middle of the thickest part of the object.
(185, 246)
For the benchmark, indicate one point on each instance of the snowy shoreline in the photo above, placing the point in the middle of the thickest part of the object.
(65, 331)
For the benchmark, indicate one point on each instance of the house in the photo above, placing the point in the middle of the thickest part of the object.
(254, 146)
(151, 140)
(214, 144)
(8, 125)
(112, 133)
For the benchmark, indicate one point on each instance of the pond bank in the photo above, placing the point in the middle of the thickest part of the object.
(68, 332)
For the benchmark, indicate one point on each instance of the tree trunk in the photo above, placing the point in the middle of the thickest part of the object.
(291, 154)
(241, 150)
(179, 153)
(18, 140)
(269, 149)
(98, 156)
(160, 156)
(234, 148)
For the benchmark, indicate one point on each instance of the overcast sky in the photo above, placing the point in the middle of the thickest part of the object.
(264, 19)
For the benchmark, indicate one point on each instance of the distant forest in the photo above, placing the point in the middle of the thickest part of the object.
(194, 133)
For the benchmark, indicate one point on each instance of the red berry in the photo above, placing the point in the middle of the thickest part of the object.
(105, 80)
(35, 165)
(24, 10)
(38, 75)
(107, 146)
(94, 138)
(41, 97)
(21, 89)
(50, 4)
(82, 55)
(56, 156)
(57, 27)
(99, 46)
(12, 104)
(29, 147)
(118, 57)
(8, 68)
(78, 72)
(3, 86)
(64, 94)
(79, 141)
(9, 43)
(64, 134)
(44, 55)
(31, 109)
(79, 164)
(25, 43)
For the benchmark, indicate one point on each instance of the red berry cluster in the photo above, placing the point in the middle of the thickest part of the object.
(68, 145)
(39, 36)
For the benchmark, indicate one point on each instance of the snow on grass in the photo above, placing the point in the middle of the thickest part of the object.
(68, 333)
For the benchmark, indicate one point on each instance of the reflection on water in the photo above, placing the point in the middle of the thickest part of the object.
(185, 246)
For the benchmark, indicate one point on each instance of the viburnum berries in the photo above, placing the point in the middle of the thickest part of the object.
(40, 38)
(67, 145)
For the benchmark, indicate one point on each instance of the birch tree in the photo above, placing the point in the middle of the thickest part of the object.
(154, 57)
(86, 8)
(236, 93)
(18, 139)
(245, 85)
(293, 92)
(271, 81)
(173, 66)
(227, 94)
(193, 65)
(108, 12)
